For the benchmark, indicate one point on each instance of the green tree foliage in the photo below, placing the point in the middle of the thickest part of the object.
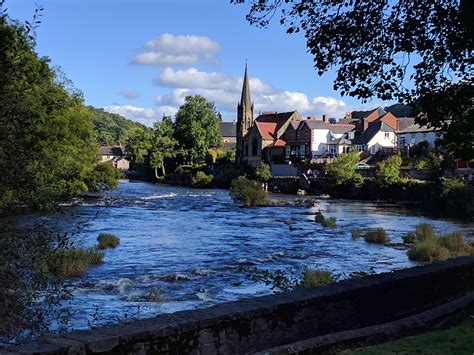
(163, 144)
(263, 172)
(429, 44)
(111, 128)
(196, 129)
(48, 146)
(343, 169)
(201, 179)
(388, 171)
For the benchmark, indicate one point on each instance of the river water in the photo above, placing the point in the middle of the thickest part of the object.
(190, 244)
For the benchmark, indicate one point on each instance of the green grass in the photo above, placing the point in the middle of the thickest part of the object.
(455, 340)
(107, 240)
(423, 231)
(73, 262)
(315, 278)
(376, 235)
(438, 248)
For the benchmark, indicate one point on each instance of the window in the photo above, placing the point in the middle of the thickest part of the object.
(413, 136)
(287, 151)
(302, 150)
(387, 135)
(401, 138)
(359, 147)
(424, 136)
(255, 147)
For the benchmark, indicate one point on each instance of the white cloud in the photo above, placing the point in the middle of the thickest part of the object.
(169, 49)
(140, 114)
(225, 91)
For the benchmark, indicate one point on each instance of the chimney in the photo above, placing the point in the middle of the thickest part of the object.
(325, 118)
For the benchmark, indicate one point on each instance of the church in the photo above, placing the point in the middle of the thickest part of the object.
(260, 139)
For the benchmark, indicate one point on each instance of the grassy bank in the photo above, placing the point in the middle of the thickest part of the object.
(458, 339)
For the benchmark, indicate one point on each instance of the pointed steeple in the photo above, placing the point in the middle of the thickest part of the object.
(245, 99)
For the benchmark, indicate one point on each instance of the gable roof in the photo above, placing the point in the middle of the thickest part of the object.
(339, 128)
(375, 113)
(279, 118)
(112, 150)
(404, 122)
(366, 136)
(267, 130)
(228, 129)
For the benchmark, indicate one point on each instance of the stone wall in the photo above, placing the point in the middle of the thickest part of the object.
(261, 323)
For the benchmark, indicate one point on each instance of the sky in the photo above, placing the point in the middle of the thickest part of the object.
(141, 58)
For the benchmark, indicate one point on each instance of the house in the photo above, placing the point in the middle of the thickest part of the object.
(414, 134)
(229, 134)
(115, 155)
(264, 140)
(378, 135)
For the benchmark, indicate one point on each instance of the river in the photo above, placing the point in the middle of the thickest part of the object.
(190, 244)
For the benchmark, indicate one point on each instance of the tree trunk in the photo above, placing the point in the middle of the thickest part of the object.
(156, 173)
(163, 169)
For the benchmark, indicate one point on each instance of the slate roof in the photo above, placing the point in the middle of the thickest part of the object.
(116, 151)
(416, 128)
(341, 128)
(275, 117)
(379, 112)
(342, 140)
(371, 131)
(228, 129)
(404, 122)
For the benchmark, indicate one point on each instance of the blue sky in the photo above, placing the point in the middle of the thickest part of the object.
(141, 58)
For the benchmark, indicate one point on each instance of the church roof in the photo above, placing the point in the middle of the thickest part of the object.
(280, 118)
(267, 129)
(245, 98)
(228, 129)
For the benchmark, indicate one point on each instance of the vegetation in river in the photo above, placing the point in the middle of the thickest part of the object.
(315, 278)
(423, 231)
(356, 233)
(431, 247)
(107, 240)
(201, 179)
(319, 218)
(154, 295)
(377, 235)
(72, 262)
(248, 192)
(329, 222)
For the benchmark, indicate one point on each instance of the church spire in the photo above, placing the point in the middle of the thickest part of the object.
(245, 99)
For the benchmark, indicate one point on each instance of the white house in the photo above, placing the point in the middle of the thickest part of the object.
(415, 134)
(378, 135)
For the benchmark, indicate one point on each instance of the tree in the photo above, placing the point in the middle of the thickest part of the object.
(388, 171)
(162, 145)
(196, 129)
(343, 169)
(263, 173)
(48, 146)
(418, 53)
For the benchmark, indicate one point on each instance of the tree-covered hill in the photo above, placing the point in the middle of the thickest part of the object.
(111, 128)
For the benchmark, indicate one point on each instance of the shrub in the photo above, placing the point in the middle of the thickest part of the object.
(201, 179)
(376, 235)
(456, 244)
(107, 240)
(247, 192)
(319, 218)
(211, 156)
(428, 250)
(154, 295)
(356, 233)
(388, 171)
(423, 231)
(343, 169)
(315, 278)
(263, 172)
(329, 222)
(73, 262)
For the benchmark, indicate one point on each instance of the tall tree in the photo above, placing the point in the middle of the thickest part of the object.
(163, 145)
(416, 52)
(196, 129)
(48, 147)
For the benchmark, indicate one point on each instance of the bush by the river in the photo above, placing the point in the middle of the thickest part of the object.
(436, 248)
(107, 240)
(356, 233)
(319, 218)
(315, 278)
(201, 179)
(376, 235)
(422, 232)
(74, 261)
(329, 222)
(248, 192)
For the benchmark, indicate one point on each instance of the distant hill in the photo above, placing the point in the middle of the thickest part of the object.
(111, 128)
(398, 110)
